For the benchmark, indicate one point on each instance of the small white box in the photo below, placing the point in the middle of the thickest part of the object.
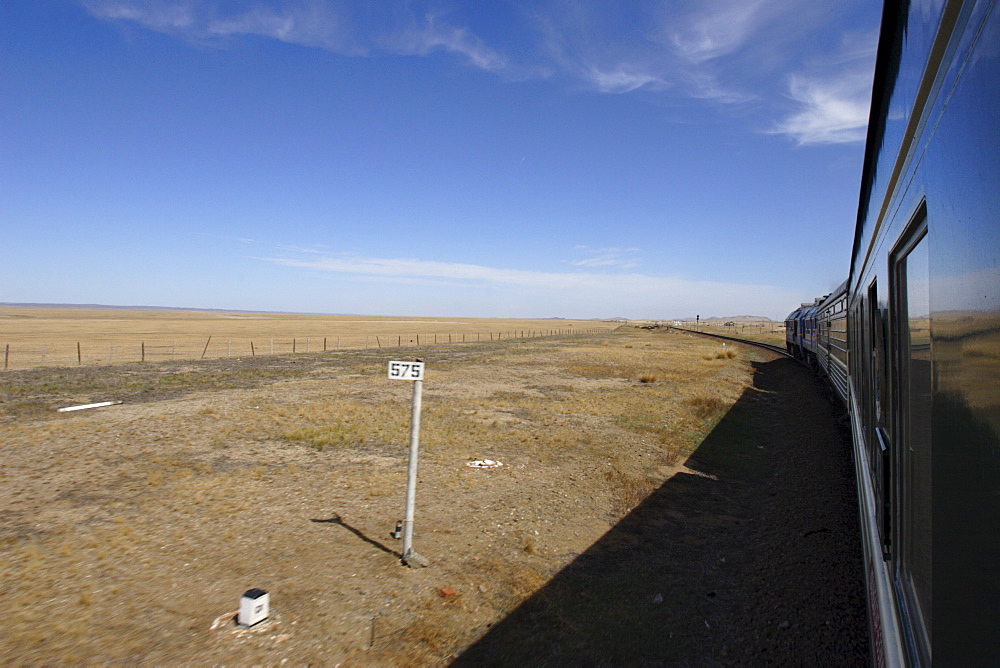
(253, 607)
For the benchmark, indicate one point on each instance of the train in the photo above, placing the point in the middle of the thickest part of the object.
(910, 342)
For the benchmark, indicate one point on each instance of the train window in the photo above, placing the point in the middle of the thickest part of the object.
(912, 415)
(879, 452)
(877, 342)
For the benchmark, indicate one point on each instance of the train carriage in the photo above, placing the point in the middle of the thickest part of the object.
(793, 332)
(800, 332)
(831, 340)
(924, 312)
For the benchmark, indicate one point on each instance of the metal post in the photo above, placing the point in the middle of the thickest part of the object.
(409, 556)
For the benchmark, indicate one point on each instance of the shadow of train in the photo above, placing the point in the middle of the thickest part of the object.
(753, 556)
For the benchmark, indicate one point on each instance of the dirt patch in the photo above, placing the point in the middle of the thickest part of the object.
(130, 532)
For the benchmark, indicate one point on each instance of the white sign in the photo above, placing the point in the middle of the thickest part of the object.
(406, 370)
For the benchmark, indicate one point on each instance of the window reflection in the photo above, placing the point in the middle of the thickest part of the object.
(915, 463)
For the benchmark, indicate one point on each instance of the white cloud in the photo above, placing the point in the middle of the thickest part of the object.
(623, 258)
(577, 294)
(718, 29)
(160, 16)
(620, 80)
(834, 112)
(833, 104)
(705, 86)
(428, 269)
(434, 35)
(334, 26)
(304, 22)
(309, 24)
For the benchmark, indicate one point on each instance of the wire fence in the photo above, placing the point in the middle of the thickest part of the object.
(18, 356)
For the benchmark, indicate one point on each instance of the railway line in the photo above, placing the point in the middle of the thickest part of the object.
(767, 346)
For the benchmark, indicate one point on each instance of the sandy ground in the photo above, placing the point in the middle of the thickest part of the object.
(129, 532)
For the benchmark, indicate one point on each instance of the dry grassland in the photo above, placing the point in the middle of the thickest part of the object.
(49, 336)
(129, 532)
(970, 345)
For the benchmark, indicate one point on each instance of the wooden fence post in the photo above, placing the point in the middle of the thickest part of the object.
(6, 356)
(206, 346)
(79, 357)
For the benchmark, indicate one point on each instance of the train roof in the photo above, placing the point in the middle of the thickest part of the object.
(807, 309)
(891, 34)
(834, 296)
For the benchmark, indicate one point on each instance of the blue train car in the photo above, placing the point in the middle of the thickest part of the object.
(793, 331)
(832, 341)
(800, 331)
(924, 321)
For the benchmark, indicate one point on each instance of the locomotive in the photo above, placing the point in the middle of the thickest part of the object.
(911, 341)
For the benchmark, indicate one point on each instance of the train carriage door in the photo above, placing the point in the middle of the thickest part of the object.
(912, 430)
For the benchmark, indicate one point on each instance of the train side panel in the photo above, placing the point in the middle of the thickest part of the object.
(831, 341)
(924, 313)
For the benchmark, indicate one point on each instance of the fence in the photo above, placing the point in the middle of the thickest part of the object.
(114, 351)
(771, 327)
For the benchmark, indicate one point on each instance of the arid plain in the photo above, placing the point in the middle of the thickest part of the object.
(130, 531)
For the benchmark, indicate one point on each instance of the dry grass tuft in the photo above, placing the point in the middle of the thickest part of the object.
(628, 491)
(321, 437)
(706, 406)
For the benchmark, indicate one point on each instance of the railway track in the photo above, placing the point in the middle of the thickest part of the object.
(768, 346)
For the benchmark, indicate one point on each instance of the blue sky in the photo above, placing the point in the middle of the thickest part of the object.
(648, 159)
